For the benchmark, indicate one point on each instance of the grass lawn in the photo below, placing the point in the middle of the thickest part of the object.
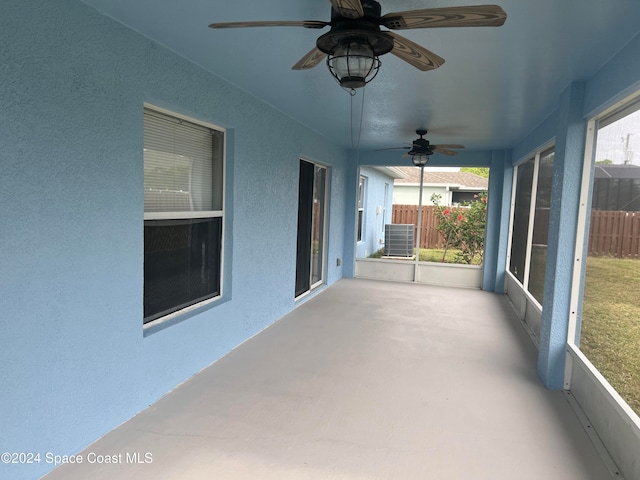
(610, 335)
(434, 255)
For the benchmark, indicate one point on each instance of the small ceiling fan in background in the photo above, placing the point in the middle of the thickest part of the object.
(355, 41)
(421, 149)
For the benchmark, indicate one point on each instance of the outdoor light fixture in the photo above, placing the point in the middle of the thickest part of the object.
(420, 159)
(353, 63)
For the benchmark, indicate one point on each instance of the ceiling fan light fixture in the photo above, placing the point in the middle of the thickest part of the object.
(419, 159)
(355, 42)
(353, 63)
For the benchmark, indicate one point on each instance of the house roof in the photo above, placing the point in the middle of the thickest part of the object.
(617, 171)
(463, 180)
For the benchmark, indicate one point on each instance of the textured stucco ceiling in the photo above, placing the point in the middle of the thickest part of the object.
(497, 83)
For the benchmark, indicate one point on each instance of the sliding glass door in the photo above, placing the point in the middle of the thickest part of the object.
(310, 256)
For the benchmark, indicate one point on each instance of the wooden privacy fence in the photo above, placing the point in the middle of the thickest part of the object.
(429, 237)
(611, 233)
(614, 234)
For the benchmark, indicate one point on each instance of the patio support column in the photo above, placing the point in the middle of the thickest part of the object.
(563, 221)
(497, 235)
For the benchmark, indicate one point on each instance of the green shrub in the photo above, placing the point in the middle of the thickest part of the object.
(463, 228)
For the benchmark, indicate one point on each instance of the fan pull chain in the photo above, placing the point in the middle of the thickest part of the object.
(356, 145)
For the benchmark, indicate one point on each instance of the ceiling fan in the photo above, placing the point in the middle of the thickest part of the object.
(355, 41)
(421, 149)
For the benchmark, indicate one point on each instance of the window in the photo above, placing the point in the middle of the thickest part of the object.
(530, 226)
(539, 242)
(610, 304)
(361, 193)
(183, 213)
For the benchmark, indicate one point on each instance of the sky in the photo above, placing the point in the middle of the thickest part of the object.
(612, 140)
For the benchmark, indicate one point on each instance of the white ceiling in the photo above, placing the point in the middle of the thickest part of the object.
(497, 84)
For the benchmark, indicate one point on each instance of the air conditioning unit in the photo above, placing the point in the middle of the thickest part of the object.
(398, 240)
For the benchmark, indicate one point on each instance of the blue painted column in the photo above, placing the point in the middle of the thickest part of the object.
(495, 251)
(563, 221)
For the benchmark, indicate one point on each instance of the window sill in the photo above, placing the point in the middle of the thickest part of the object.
(181, 315)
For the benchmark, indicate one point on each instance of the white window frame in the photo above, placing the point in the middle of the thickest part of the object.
(325, 234)
(616, 111)
(535, 156)
(360, 224)
(192, 215)
(325, 237)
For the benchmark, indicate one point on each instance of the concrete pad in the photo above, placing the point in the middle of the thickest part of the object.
(368, 380)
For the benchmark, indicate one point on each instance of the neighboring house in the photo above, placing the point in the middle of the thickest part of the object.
(454, 187)
(375, 203)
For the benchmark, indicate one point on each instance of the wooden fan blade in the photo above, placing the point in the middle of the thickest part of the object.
(471, 16)
(275, 23)
(448, 146)
(348, 8)
(412, 53)
(444, 151)
(310, 60)
(392, 148)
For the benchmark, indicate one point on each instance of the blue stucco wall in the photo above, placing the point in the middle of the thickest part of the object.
(497, 227)
(563, 222)
(373, 228)
(75, 362)
(617, 79)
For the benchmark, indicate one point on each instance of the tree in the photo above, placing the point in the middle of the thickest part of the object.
(463, 228)
(480, 171)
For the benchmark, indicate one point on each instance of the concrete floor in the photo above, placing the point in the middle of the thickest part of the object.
(368, 380)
